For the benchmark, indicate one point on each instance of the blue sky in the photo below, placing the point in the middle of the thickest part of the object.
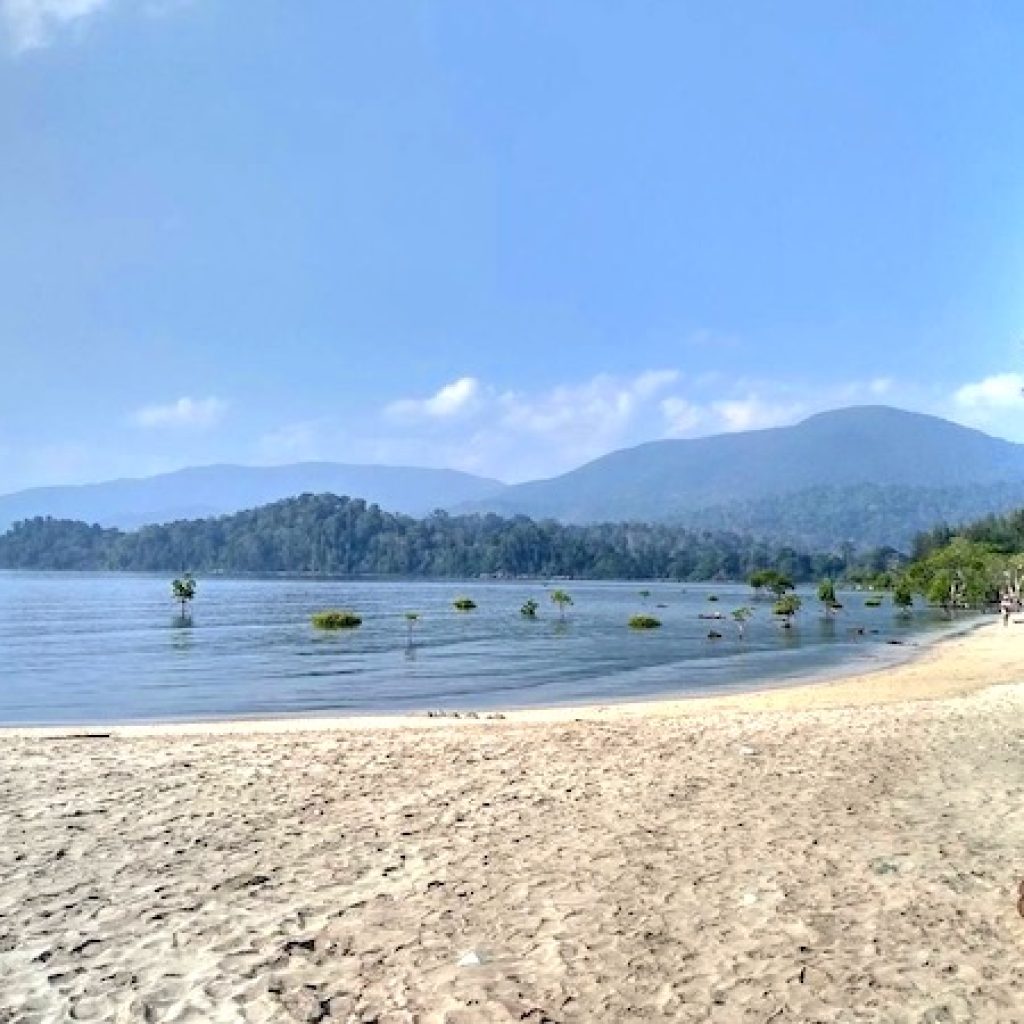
(505, 237)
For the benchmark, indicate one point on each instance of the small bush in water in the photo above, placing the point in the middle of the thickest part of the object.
(644, 622)
(464, 604)
(336, 620)
(873, 602)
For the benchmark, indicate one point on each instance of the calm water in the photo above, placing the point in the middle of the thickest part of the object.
(79, 648)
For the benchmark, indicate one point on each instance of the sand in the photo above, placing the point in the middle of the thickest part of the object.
(843, 852)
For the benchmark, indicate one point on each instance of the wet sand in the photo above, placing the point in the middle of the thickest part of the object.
(848, 851)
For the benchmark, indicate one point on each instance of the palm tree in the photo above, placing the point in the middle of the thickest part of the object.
(562, 599)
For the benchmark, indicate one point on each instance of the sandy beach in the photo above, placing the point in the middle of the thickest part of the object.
(848, 851)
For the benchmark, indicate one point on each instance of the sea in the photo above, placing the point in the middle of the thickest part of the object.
(96, 648)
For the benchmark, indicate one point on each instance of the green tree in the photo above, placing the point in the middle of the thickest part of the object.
(962, 573)
(903, 596)
(562, 599)
(741, 617)
(183, 590)
(827, 597)
(759, 579)
(786, 608)
(776, 582)
(940, 591)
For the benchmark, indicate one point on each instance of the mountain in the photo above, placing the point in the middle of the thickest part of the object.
(218, 490)
(869, 476)
(871, 463)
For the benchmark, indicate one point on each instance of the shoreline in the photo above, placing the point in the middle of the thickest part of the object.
(908, 679)
(839, 851)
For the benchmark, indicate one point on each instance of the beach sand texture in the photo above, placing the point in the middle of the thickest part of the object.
(848, 852)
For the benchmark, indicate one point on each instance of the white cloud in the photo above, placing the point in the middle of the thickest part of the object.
(753, 413)
(519, 435)
(516, 434)
(32, 23)
(754, 405)
(682, 417)
(600, 407)
(456, 398)
(1000, 391)
(196, 413)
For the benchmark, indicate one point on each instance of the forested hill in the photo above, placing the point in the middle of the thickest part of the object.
(1003, 535)
(864, 515)
(331, 535)
(202, 491)
(869, 475)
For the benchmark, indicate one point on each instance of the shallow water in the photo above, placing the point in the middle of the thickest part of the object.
(86, 647)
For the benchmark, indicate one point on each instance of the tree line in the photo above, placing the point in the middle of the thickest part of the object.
(971, 565)
(329, 535)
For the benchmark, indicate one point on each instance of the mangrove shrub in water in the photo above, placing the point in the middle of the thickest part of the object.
(336, 619)
(786, 607)
(562, 599)
(183, 590)
(644, 622)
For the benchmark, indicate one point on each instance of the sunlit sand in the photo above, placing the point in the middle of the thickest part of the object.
(848, 851)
